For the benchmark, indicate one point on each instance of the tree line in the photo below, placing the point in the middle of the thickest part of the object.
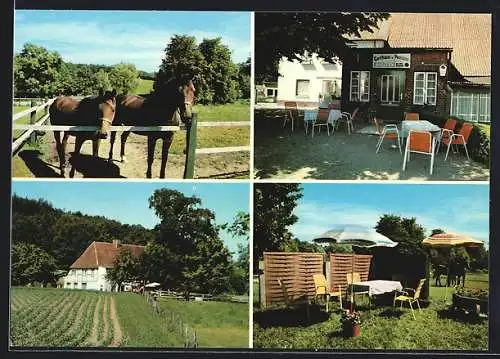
(39, 72)
(273, 215)
(182, 252)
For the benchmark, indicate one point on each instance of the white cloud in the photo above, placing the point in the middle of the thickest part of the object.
(113, 43)
(316, 218)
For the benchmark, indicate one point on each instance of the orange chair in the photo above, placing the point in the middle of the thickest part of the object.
(419, 142)
(412, 116)
(390, 132)
(446, 131)
(348, 118)
(291, 113)
(460, 138)
(321, 120)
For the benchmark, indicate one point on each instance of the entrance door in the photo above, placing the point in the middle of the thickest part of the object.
(390, 91)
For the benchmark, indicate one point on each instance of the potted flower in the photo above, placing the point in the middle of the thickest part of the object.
(471, 300)
(351, 323)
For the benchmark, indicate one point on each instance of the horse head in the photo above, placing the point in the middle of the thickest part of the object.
(107, 110)
(181, 89)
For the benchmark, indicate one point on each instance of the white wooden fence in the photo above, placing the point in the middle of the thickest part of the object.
(190, 137)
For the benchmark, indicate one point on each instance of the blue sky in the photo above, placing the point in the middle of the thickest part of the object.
(460, 208)
(127, 202)
(137, 37)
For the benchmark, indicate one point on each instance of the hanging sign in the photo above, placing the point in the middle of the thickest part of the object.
(388, 61)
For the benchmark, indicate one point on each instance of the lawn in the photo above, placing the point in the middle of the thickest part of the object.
(382, 328)
(217, 324)
(144, 87)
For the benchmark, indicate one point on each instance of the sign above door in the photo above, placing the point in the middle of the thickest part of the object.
(390, 61)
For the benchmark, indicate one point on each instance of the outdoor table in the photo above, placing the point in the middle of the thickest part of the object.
(421, 126)
(374, 287)
(311, 114)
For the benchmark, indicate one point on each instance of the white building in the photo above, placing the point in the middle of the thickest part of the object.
(304, 82)
(89, 270)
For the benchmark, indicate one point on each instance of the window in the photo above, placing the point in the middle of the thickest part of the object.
(471, 106)
(302, 88)
(270, 92)
(360, 86)
(84, 285)
(424, 88)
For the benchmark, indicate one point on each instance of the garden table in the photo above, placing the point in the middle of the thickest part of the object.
(422, 126)
(375, 287)
(311, 114)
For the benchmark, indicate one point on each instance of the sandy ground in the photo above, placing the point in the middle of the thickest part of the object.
(282, 154)
(227, 165)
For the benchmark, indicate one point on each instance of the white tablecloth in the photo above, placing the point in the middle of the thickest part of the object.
(310, 115)
(421, 125)
(376, 287)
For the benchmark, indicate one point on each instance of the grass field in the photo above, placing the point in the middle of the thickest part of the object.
(48, 317)
(144, 87)
(217, 324)
(382, 328)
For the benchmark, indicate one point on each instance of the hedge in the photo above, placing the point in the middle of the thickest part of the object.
(478, 144)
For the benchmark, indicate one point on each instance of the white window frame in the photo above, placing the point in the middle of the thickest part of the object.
(297, 88)
(426, 88)
(480, 97)
(359, 89)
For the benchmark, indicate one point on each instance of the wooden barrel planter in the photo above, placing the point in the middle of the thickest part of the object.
(351, 330)
(470, 304)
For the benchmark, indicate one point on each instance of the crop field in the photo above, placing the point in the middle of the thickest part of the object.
(63, 318)
(47, 317)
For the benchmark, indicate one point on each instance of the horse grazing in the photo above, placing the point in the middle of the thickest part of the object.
(168, 105)
(91, 111)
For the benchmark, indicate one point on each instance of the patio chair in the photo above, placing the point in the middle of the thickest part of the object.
(412, 116)
(293, 302)
(389, 131)
(419, 142)
(321, 120)
(405, 296)
(353, 278)
(446, 132)
(348, 119)
(291, 113)
(334, 106)
(322, 290)
(460, 138)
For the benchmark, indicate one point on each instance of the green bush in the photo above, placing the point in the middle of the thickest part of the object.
(478, 144)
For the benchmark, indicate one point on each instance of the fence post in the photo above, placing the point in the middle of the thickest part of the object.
(32, 122)
(190, 148)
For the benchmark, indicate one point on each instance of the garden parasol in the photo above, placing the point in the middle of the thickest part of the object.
(355, 235)
(450, 240)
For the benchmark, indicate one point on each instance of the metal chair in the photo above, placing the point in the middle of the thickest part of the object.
(322, 290)
(389, 131)
(419, 142)
(291, 113)
(410, 299)
(460, 138)
(321, 120)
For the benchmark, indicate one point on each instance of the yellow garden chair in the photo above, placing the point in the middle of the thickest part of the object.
(405, 296)
(322, 290)
(293, 302)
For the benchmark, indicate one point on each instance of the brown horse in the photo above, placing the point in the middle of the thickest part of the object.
(91, 111)
(168, 105)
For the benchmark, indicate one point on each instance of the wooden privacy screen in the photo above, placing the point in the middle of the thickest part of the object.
(295, 269)
(341, 265)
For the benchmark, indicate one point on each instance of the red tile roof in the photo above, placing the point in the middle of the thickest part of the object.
(103, 254)
(469, 35)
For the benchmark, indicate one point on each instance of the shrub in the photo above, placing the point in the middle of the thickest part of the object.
(478, 144)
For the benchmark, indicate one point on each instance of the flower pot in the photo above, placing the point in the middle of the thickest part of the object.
(352, 330)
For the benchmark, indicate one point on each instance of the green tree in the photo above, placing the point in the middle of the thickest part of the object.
(187, 237)
(222, 73)
(286, 34)
(183, 57)
(244, 76)
(102, 81)
(273, 214)
(125, 268)
(124, 78)
(36, 72)
(31, 264)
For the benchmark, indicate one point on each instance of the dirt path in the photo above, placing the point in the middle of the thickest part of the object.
(105, 317)
(92, 341)
(117, 331)
(226, 165)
